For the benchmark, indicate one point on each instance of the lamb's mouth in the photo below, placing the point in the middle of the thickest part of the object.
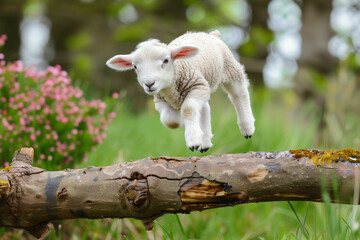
(151, 91)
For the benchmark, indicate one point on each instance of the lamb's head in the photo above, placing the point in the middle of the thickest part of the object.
(153, 62)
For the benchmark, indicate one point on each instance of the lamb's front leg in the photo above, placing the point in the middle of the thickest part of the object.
(191, 113)
(169, 117)
(205, 122)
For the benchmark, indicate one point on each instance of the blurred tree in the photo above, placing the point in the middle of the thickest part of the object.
(254, 52)
(10, 15)
(316, 33)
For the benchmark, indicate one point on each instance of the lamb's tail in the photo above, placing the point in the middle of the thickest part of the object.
(216, 33)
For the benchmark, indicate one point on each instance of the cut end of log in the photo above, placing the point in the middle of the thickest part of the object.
(28, 151)
(25, 155)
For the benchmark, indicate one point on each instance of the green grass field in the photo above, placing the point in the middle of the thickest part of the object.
(281, 124)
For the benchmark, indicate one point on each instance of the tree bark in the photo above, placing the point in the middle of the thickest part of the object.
(31, 197)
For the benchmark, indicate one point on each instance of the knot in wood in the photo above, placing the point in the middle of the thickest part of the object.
(137, 192)
(136, 175)
(63, 194)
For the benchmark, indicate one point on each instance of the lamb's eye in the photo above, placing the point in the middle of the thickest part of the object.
(135, 67)
(164, 62)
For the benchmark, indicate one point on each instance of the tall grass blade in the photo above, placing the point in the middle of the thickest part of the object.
(154, 231)
(305, 217)
(329, 213)
(164, 230)
(181, 226)
(302, 228)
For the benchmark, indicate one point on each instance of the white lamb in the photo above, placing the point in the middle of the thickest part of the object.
(182, 75)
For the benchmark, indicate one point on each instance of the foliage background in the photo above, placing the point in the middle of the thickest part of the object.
(302, 58)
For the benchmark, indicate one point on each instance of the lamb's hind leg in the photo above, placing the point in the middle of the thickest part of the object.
(239, 96)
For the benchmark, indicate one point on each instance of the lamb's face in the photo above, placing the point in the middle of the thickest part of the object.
(154, 68)
(153, 62)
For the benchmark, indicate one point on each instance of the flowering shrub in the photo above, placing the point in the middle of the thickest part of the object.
(43, 110)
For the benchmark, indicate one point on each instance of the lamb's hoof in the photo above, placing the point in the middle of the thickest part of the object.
(203, 150)
(192, 148)
(247, 129)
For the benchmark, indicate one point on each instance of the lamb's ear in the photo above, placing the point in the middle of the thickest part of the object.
(184, 51)
(120, 62)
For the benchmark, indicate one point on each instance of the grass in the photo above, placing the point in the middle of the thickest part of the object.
(280, 125)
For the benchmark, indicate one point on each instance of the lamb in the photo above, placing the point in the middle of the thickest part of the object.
(182, 75)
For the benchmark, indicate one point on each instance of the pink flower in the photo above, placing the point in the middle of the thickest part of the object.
(78, 93)
(65, 120)
(32, 137)
(72, 147)
(112, 115)
(46, 109)
(22, 121)
(21, 105)
(55, 136)
(54, 70)
(5, 122)
(3, 39)
(42, 101)
(85, 158)
(17, 66)
(115, 95)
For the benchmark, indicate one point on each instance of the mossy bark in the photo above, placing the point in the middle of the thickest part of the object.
(149, 188)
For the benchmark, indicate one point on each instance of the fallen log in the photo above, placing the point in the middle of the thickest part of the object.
(31, 197)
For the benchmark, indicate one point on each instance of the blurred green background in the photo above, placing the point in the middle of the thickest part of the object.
(303, 62)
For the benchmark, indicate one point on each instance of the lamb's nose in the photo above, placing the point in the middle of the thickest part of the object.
(149, 84)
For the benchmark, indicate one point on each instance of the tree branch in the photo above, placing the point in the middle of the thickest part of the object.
(31, 197)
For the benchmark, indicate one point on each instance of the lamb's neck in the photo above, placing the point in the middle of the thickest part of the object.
(172, 96)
